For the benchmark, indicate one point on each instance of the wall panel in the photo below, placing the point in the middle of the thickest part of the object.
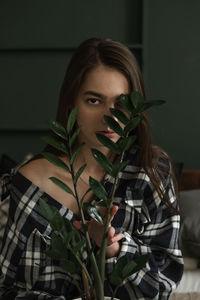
(37, 39)
(172, 64)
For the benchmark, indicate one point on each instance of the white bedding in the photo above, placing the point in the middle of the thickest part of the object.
(190, 282)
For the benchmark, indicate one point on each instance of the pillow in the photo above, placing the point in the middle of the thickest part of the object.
(190, 227)
(191, 263)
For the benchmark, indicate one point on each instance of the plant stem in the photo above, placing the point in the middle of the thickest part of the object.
(115, 291)
(95, 270)
(81, 264)
(99, 286)
(86, 286)
(102, 254)
(78, 287)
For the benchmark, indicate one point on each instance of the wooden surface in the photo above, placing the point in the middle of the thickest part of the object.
(190, 180)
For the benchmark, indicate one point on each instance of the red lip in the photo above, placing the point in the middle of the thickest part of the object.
(109, 134)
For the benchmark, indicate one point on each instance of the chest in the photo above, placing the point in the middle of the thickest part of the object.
(66, 199)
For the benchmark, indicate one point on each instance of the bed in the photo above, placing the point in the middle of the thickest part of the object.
(189, 201)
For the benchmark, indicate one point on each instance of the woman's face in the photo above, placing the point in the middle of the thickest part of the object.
(99, 92)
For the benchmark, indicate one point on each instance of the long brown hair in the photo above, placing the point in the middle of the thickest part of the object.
(113, 54)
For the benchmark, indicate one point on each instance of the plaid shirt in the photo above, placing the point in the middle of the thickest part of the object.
(148, 225)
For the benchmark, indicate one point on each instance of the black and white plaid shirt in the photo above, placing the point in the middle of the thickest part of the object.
(148, 225)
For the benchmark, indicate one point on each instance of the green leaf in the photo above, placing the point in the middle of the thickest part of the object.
(53, 254)
(137, 99)
(85, 227)
(118, 167)
(102, 160)
(68, 266)
(79, 246)
(103, 203)
(74, 136)
(55, 160)
(76, 238)
(93, 212)
(62, 185)
(67, 227)
(108, 143)
(126, 143)
(132, 124)
(57, 245)
(114, 125)
(47, 210)
(126, 103)
(57, 222)
(98, 189)
(150, 104)
(116, 276)
(115, 279)
(58, 129)
(128, 269)
(121, 262)
(70, 233)
(130, 141)
(79, 172)
(83, 197)
(76, 152)
(55, 144)
(119, 115)
(69, 237)
(141, 262)
(71, 119)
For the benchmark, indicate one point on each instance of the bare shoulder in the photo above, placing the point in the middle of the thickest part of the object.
(36, 170)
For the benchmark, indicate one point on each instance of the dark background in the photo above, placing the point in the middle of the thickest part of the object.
(37, 39)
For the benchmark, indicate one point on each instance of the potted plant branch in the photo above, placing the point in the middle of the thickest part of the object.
(75, 253)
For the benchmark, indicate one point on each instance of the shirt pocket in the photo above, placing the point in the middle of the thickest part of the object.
(33, 259)
(135, 202)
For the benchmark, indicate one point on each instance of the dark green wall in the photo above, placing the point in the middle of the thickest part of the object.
(37, 39)
(172, 68)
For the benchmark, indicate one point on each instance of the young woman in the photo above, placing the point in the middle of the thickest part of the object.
(143, 219)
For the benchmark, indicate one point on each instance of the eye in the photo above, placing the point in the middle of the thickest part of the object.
(93, 101)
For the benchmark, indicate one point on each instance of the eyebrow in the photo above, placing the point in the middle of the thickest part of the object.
(95, 94)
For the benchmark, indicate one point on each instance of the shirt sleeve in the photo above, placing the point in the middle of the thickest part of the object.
(157, 234)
